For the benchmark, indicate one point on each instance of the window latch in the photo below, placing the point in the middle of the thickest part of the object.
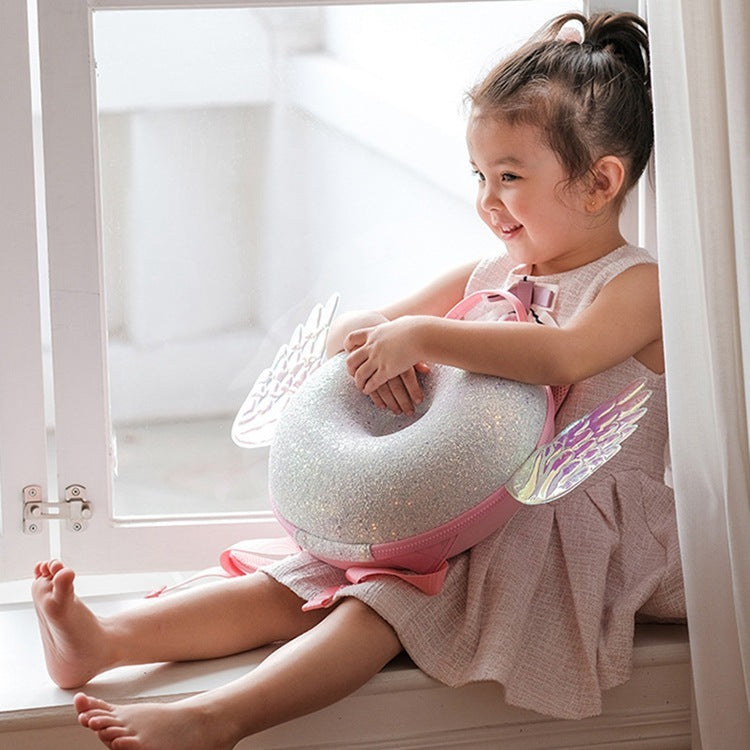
(75, 509)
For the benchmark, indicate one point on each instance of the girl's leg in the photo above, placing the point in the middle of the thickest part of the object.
(206, 622)
(314, 670)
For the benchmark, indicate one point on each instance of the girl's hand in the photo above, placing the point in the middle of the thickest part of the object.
(402, 394)
(381, 353)
(344, 324)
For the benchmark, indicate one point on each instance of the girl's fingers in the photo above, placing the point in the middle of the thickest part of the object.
(386, 398)
(400, 395)
(365, 375)
(378, 401)
(355, 339)
(411, 386)
(368, 379)
(355, 360)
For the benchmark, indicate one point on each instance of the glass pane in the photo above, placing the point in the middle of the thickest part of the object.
(253, 162)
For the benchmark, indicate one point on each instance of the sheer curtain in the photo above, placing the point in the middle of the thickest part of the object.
(702, 112)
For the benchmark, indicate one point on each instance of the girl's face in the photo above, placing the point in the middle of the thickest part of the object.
(525, 199)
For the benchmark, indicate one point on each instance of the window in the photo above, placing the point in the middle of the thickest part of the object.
(241, 164)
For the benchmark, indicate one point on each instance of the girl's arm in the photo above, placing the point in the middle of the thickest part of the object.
(435, 299)
(623, 321)
(401, 392)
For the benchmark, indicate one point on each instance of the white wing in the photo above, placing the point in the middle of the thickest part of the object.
(256, 420)
(574, 454)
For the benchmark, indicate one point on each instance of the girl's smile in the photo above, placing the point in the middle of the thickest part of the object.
(506, 231)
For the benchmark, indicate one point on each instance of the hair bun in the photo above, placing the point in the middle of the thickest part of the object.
(623, 34)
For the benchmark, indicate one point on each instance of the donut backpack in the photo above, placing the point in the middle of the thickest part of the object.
(376, 493)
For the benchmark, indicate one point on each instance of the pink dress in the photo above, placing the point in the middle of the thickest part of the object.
(547, 605)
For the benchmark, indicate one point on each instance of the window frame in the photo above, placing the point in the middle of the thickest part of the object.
(23, 455)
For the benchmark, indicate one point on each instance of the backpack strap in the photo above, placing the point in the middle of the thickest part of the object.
(427, 583)
(242, 558)
(513, 304)
(532, 293)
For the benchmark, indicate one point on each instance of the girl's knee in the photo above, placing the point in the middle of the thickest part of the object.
(367, 619)
(277, 600)
(356, 608)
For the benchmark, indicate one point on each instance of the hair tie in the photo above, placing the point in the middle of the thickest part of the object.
(571, 31)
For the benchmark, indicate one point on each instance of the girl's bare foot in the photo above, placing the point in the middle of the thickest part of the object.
(188, 724)
(74, 640)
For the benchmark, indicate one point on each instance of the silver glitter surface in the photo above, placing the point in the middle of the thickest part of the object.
(349, 475)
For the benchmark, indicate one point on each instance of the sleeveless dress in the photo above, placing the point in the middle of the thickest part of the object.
(547, 605)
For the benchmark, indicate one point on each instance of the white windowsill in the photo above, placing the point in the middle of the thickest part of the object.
(650, 711)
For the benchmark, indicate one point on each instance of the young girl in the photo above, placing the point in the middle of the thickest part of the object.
(558, 133)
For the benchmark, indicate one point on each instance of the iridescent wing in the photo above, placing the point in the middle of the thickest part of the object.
(256, 420)
(575, 453)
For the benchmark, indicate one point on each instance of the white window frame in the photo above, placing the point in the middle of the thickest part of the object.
(23, 455)
(83, 430)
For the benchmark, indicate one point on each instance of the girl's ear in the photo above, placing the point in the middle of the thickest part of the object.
(606, 180)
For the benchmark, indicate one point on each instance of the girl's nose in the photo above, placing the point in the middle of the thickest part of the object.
(489, 199)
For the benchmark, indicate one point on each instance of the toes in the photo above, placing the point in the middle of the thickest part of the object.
(84, 703)
(41, 569)
(109, 734)
(100, 717)
(97, 719)
(101, 721)
(112, 733)
(123, 743)
(54, 566)
(62, 581)
(47, 568)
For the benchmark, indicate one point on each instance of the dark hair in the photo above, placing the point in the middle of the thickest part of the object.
(590, 99)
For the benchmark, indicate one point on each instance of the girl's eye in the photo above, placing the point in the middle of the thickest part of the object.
(509, 177)
(478, 175)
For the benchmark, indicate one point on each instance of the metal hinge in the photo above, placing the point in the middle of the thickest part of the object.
(75, 509)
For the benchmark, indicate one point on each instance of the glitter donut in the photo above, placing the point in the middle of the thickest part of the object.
(360, 486)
